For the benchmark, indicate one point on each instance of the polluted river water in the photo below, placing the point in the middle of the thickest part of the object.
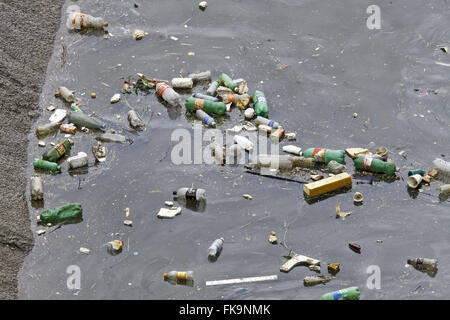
(318, 64)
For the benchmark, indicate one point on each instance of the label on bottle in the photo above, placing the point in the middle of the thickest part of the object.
(161, 88)
(367, 163)
(231, 98)
(181, 276)
(337, 295)
(205, 119)
(60, 149)
(271, 123)
(81, 17)
(319, 154)
(198, 104)
(262, 99)
(191, 194)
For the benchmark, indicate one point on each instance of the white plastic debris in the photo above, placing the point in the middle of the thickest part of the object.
(296, 260)
(247, 196)
(169, 203)
(58, 115)
(244, 143)
(67, 94)
(169, 213)
(41, 232)
(115, 98)
(291, 136)
(78, 161)
(85, 250)
(241, 280)
(51, 108)
(249, 113)
(292, 149)
(202, 5)
(128, 223)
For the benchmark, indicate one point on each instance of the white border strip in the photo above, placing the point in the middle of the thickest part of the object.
(241, 280)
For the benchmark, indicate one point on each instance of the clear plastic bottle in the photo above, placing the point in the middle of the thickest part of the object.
(206, 97)
(283, 161)
(179, 277)
(215, 249)
(46, 129)
(190, 194)
(78, 21)
(261, 120)
(168, 94)
(443, 169)
(205, 118)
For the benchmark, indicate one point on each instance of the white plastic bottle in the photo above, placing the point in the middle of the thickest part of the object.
(36, 188)
(168, 94)
(244, 143)
(78, 21)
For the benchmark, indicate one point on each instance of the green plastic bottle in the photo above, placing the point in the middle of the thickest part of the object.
(64, 213)
(81, 119)
(368, 163)
(225, 80)
(208, 106)
(260, 104)
(58, 151)
(325, 155)
(351, 293)
(46, 165)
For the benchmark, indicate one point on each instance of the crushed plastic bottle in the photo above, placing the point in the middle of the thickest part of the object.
(215, 249)
(205, 118)
(46, 129)
(112, 137)
(36, 188)
(65, 213)
(78, 161)
(335, 167)
(46, 165)
(168, 94)
(201, 76)
(78, 21)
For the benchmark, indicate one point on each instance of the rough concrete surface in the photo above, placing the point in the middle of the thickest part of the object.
(27, 31)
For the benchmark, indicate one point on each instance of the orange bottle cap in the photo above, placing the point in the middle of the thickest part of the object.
(165, 275)
(105, 24)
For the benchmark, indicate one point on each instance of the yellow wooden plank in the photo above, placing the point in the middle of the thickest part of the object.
(326, 185)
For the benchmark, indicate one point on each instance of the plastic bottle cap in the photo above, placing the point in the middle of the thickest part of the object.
(105, 24)
(174, 192)
(165, 276)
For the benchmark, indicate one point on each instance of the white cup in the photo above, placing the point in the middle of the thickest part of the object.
(414, 180)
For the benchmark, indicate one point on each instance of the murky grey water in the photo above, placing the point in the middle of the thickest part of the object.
(370, 72)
